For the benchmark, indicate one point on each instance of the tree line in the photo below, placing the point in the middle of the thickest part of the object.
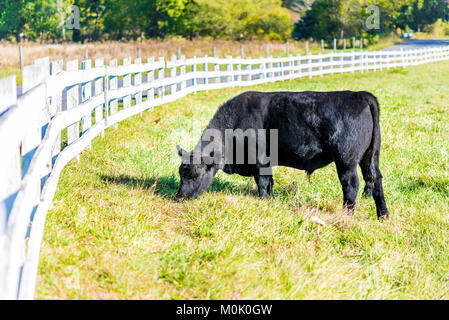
(45, 20)
(349, 18)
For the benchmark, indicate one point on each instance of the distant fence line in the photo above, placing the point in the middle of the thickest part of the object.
(58, 113)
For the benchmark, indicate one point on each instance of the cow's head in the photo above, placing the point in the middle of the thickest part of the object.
(196, 176)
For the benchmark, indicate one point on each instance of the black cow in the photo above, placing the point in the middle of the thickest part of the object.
(314, 129)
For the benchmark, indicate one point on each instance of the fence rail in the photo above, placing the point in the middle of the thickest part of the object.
(59, 112)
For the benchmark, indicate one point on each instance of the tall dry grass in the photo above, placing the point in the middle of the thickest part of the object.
(9, 52)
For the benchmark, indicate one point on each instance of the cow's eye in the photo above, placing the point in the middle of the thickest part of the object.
(192, 173)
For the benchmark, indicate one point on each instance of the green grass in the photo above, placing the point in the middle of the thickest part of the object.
(11, 71)
(114, 231)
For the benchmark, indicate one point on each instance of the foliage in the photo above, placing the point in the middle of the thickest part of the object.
(12, 18)
(239, 19)
(218, 19)
(423, 13)
(338, 18)
(91, 19)
(438, 30)
(299, 6)
(42, 20)
(323, 20)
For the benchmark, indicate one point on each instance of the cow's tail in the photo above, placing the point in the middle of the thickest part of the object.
(370, 160)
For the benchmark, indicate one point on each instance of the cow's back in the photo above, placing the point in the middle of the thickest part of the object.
(313, 127)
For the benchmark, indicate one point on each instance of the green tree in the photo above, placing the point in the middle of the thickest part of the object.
(423, 12)
(322, 21)
(237, 19)
(299, 6)
(339, 18)
(12, 18)
(91, 19)
(42, 20)
(156, 18)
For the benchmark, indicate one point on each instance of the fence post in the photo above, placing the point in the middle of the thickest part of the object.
(335, 44)
(72, 102)
(332, 60)
(361, 43)
(161, 76)
(98, 89)
(281, 68)
(270, 65)
(242, 52)
(353, 42)
(10, 177)
(21, 58)
(32, 76)
(267, 50)
(307, 47)
(402, 54)
(86, 92)
(321, 64)
(113, 85)
(194, 81)
(362, 62)
(126, 84)
(344, 44)
(310, 65)
(150, 79)
(137, 82)
(173, 75)
(353, 61)
(229, 69)
(205, 70)
(322, 45)
(56, 104)
(289, 65)
(342, 61)
(298, 65)
(183, 73)
(217, 70)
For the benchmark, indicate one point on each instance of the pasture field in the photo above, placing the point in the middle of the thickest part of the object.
(115, 233)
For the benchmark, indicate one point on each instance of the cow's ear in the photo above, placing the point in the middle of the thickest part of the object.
(180, 150)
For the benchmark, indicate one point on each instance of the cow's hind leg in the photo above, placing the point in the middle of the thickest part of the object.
(369, 175)
(350, 184)
(264, 184)
(373, 184)
(379, 198)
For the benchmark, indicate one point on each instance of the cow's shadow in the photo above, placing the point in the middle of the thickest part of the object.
(167, 186)
(416, 185)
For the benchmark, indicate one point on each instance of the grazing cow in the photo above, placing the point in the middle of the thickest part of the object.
(313, 130)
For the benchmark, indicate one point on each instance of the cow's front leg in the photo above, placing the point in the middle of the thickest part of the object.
(265, 185)
(349, 180)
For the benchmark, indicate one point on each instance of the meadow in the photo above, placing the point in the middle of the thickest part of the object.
(114, 231)
(108, 50)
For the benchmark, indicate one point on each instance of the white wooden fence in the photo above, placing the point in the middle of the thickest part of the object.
(58, 113)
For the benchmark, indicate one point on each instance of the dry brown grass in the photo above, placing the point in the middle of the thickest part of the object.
(9, 52)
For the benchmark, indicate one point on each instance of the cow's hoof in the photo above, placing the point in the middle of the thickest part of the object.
(384, 216)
